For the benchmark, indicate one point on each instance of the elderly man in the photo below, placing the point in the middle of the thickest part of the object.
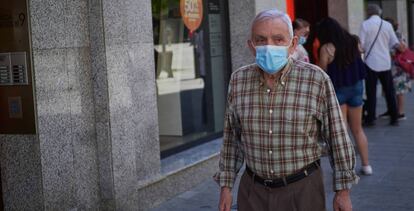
(377, 38)
(279, 111)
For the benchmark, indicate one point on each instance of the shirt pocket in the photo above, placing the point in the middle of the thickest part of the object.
(250, 119)
(296, 121)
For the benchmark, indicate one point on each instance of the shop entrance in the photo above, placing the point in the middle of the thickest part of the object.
(313, 12)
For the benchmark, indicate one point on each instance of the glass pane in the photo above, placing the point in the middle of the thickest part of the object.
(189, 69)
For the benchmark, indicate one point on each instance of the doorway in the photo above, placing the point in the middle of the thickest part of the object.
(313, 12)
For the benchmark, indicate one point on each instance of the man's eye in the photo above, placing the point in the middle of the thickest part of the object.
(260, 42)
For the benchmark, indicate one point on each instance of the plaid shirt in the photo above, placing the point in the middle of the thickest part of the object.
(279, 131)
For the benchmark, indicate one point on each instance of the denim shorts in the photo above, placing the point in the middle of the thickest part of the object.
(351, 95)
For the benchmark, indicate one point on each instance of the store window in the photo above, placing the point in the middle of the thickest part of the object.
(191, 69)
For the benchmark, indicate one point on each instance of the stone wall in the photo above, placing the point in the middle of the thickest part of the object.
(65, 107)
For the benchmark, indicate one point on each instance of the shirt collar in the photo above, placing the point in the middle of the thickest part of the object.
(285, 71)
(374, 17)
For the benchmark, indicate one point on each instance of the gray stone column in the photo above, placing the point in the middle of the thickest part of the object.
(397, 10)
(349, 13)
(65, 107)
(241, 14)
(125, 97)
(102, 123)
(338, 9)
(268, 4)
(356, 15)
(402, 18)
(97, 128)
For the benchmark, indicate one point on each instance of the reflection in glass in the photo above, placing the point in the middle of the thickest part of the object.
(185, 92)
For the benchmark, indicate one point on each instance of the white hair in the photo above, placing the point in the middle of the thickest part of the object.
(273, 14)
(373, 9)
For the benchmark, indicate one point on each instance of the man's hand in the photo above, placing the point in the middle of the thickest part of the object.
(401, 47)
(225, 199)
(342, 201)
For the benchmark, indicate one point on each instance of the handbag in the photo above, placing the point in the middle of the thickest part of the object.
(406, 61)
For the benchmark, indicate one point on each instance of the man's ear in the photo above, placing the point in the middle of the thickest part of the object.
(293, 45)
(251, 47)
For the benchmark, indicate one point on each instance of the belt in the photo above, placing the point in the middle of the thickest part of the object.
(284, 181)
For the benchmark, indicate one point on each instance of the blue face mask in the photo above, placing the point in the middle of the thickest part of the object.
(302, 40)
(271, 58)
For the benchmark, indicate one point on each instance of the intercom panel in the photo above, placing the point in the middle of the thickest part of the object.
(17, 114)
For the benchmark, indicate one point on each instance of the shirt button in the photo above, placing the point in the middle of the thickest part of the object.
(270, 132)
(268, 90)
(283, 83)
(271, 171)
(270, 151)
(261, 84)
(270, 111)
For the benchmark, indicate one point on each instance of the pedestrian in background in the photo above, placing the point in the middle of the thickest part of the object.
(278, 110)
(301, 29)
(340, 57)
(401, 79)
(377, 39)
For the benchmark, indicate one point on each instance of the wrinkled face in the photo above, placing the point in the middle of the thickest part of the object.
(302, 32)
(271, 32)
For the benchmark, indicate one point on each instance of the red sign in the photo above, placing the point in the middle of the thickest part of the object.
(290, 9)
(191, 13)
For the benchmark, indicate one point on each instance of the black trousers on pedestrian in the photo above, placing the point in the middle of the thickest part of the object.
(386, 80)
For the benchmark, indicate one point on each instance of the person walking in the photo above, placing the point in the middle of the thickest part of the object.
(301, 29)
(377, 39)
(340, 57)
(401, 79)
(278, 110)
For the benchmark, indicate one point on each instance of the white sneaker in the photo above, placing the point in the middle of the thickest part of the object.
(401, 117)
(366, 170)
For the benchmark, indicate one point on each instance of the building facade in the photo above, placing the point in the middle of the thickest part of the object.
(118, 105)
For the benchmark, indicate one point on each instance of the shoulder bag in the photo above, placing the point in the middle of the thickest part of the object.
(372, 45)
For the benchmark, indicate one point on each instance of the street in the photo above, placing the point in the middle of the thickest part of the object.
(391, 187)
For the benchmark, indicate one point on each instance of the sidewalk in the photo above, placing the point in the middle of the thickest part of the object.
(391, 187)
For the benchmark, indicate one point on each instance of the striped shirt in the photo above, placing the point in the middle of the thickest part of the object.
(279, 131)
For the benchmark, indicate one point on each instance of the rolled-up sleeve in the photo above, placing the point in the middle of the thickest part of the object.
(362, 37)
(342, 154)
(231, 155)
